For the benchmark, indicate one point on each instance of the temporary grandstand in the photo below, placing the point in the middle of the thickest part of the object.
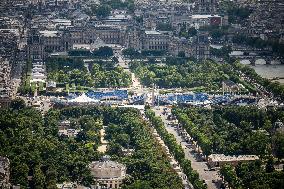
(203, 99)
(224, 99)
(182, 98)
(108, 95)
(94, 97)
(140, 99)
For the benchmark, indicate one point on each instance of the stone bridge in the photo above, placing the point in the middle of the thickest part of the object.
(254, 58)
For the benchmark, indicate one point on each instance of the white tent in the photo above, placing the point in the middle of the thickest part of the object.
(83, 99)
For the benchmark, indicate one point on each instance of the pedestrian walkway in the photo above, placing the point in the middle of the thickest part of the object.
(103, 147)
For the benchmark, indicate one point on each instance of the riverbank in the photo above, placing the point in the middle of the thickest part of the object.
(270, 71)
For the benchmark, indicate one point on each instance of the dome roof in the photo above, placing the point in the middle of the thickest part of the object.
(106, 169)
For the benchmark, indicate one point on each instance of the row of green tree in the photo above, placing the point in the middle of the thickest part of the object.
(175, 149)
(177, 73)
(116, 77)
(253, 175)
(134, 54)
(104, 51)
(36, 151)
(235, 12)
(256, 42)
(234, 130)
(187, 32)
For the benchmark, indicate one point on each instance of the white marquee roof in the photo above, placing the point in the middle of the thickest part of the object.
(83, 98)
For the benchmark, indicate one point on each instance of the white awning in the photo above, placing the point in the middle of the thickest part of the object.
(83, 99)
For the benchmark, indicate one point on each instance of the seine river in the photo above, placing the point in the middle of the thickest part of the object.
(269, 71)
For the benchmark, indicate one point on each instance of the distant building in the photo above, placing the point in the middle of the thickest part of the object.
(155, 40)
(201, 45)
(35, 45)
(108, 173)
(177, 45)
(111, 34)
(201, 20)
(42, 42)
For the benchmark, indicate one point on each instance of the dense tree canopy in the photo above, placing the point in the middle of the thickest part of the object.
(102, 11)
(101, 73)
(236, 130)
(231, 130)
(182, 73)
(35, 149)
(130, 52)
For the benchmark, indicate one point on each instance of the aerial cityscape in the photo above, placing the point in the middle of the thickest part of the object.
(141, 94)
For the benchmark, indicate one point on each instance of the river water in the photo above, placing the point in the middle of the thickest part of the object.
(268, 70)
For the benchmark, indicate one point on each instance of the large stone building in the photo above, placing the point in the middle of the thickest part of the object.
(201, 46)
(111, 34)
(43, 42)
(108, 173)
(155, 40)
(178, 45)
(35, 45)
(40, 43)
(147, 40)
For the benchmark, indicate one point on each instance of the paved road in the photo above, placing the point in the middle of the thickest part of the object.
(16, 76)
(136, 85)
(200, 167)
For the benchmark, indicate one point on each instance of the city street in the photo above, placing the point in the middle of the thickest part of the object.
(199, 166)
(136, 85)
